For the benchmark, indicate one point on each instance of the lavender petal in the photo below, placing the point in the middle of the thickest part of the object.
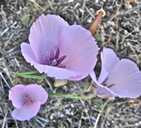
(57, 53)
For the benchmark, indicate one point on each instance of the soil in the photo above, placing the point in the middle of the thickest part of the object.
(120, 30)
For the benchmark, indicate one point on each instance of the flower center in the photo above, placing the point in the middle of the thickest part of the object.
(54, 60)
(27, 100)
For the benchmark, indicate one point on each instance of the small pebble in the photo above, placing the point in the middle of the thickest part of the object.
(93, 118)
(51, 117)
(96, 1)
(139, 123)
(67, 112)
(89, 20)
(72, 105)
(125, 32)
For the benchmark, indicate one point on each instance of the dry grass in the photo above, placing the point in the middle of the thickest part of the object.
(120, 30)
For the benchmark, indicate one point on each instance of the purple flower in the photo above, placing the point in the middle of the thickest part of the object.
(118, 78)
(27, 100)
(60, 50)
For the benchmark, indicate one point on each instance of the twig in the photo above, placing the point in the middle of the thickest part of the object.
(85, 110)
(4, 121)
(97, 119)
(128, 35)
(33, 1)
(87, 9)
(125, 12)
(5, 80)
(107, 112)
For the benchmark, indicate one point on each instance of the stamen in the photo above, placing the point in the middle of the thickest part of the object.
(54, 59)
(53, 63)
(27, 100)
(62, 66)
(51, 55)
(60, 59)
(57, 53)
(47, 60)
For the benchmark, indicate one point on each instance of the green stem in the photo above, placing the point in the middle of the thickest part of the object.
(75, 96)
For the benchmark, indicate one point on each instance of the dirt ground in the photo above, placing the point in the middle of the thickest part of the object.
(120, 30)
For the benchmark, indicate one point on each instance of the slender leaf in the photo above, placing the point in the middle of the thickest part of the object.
(31, 74)
(24, 73)
(97, 103)
(70, 95)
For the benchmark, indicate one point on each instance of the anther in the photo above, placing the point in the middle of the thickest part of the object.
(57, 53)
(60, 59)
(62, 66)
(53, 63)
(47, 60)
(54, 59)
(51, 55)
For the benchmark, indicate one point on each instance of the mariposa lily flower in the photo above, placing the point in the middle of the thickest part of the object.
(118, 78)
(59, 50)
(27, 100)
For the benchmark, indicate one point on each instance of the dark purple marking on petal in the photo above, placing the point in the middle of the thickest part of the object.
(104, 81)
(60, 59)
(51, 55)
(104, 84)
(63, 66)
(109, 86)
(57, 53)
